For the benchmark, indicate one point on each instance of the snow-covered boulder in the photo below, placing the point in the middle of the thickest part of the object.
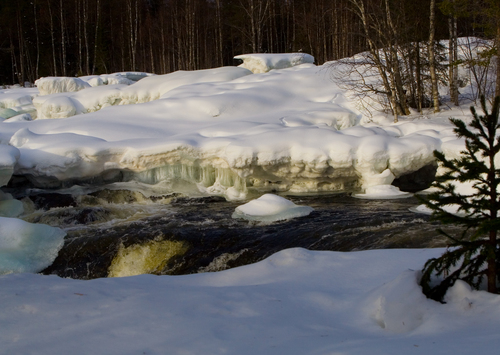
(270, 208)
(53, 84)
(264, 62)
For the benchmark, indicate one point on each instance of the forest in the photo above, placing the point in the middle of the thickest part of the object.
(82, 37)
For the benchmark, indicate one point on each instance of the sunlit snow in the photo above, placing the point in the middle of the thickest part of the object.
(270, 208)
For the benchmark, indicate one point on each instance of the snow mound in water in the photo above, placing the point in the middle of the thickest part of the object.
(270, 208)
(382, 192)
(27, 247)
(57, 84)
(264, 62)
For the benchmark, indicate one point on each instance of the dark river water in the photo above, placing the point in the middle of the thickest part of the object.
(120, 233)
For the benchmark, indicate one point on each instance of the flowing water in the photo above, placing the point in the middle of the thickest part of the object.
(121, 232)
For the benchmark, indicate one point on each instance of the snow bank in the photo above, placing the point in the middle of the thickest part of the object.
(271, 208)
(53, 85)
(263, 62)
(27, 247)
(65, 105)
(295, 302)
(109, 79)
(153, 87)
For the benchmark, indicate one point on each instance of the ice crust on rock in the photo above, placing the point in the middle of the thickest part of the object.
(54, 84)
(271, 208)
(27, 247)
(264, 62)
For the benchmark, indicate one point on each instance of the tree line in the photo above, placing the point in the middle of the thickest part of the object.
(82, 37)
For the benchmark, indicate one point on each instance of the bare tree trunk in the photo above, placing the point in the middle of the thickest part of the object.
(420, 91)
(52, 38)
(432, 60)
(219, 38)
(37, 34)
(98, 14)
(86, 38)
(497, 84)
(63, 38)
(453, 57)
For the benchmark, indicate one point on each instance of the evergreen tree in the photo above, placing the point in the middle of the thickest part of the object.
(474, 256)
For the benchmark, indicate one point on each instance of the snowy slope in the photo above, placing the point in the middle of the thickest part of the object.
(295, 302)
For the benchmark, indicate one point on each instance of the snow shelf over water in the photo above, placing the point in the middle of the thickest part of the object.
(224, 130)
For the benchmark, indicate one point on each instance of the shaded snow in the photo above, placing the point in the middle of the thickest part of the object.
(295, 302)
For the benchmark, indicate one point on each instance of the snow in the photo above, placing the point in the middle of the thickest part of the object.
(295, 302)
(382, 192)
(226, 131)
(53, 85)
(259, 131)
(27, 247)
(263, 62)
(270, 208)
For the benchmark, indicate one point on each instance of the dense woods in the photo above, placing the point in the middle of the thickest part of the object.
(81, 37)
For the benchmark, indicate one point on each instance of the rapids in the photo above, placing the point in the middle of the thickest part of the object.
(118, 231)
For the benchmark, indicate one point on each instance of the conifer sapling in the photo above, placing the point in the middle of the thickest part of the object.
(474, 255)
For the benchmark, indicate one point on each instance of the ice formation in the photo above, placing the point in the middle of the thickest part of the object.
(8, 159)
(27, 247)
(263, 62)
(10, 207)
(270, 208)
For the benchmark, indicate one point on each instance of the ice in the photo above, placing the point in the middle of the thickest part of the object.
(8, 159)
(27, 247)
(264, 62)
(9, 207)
(270, 208)
(53, 85)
